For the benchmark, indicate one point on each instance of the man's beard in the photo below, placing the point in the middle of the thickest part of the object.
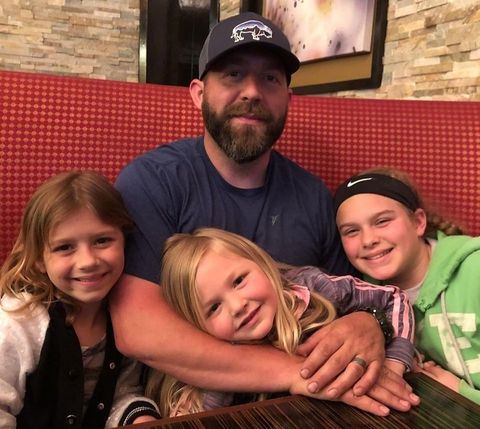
(243, 143)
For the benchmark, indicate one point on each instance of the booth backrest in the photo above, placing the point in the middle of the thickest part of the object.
(51, 124)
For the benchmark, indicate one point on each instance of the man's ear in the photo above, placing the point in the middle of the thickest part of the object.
(420, 219)
(196, 92)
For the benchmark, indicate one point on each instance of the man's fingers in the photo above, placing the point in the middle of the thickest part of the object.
(344, 381)
(321, 360)
(392, 400)
(365, 403)
(368, 379)
(329, 371)
(393, 390)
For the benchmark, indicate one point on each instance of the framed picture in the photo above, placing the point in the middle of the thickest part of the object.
(340, 43)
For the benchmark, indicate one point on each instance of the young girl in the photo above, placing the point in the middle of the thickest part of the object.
(60, 366)
(389, 235)
(229, 287)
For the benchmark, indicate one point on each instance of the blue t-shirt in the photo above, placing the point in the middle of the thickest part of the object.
(176, 188)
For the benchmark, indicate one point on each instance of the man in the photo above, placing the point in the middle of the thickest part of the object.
(232, 179)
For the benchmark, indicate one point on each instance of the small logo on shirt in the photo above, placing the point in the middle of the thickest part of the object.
(274, 219)
(350, 184)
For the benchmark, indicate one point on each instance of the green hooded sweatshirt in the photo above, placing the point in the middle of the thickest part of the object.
(454, 271)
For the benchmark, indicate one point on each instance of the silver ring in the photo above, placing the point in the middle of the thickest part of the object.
(360, 361)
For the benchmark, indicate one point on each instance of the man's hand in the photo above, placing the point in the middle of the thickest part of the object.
(330, 352)
(391, 391)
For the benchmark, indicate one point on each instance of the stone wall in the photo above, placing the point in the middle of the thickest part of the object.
(432, 49)
(88, 38)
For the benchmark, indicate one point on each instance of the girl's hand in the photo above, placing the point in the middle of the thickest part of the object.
(432, 370)
(395, 366)
(418, 362)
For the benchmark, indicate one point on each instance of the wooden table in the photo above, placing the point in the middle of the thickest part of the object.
(441, 408)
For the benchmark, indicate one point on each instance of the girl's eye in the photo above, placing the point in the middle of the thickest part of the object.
(349, 232)
(238, 280)
(103, 241)
(62, 248)
(213, 309)
(383, 221)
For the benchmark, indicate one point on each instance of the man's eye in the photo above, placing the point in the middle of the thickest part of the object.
(271, 78)
(232, 74)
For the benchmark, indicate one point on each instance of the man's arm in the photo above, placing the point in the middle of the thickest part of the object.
(147, 329)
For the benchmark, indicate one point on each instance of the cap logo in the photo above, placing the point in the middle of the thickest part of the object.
(253, 27)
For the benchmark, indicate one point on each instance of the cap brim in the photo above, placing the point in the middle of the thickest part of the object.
(289, 60)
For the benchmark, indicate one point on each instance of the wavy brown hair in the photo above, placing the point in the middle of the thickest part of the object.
(55, 200)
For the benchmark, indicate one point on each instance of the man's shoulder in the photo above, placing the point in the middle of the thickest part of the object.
(165, 157)
(295, 171)
(167, 152)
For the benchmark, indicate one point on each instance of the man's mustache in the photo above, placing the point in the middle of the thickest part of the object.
(243, 109)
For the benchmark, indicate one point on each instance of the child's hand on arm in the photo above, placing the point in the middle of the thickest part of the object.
(396, 366)
(443, 376)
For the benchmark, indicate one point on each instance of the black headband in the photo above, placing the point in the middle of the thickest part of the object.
(379, 184)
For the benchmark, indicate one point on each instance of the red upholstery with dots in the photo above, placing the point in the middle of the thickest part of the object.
(52, 123)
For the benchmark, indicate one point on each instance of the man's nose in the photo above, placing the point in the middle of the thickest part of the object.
(252, 88)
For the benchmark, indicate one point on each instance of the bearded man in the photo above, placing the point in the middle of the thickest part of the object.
(232, 178)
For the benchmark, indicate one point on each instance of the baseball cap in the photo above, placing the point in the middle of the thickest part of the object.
(245, 29)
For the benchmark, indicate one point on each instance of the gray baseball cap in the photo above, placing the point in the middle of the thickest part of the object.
(245, 29)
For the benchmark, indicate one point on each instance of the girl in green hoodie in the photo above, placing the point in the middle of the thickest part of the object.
(389, 235)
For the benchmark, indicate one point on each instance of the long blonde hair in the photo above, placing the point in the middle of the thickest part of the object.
(181, 258)
(435, 221)
(55, 200)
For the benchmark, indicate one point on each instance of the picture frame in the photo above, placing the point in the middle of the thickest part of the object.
(362, 70)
